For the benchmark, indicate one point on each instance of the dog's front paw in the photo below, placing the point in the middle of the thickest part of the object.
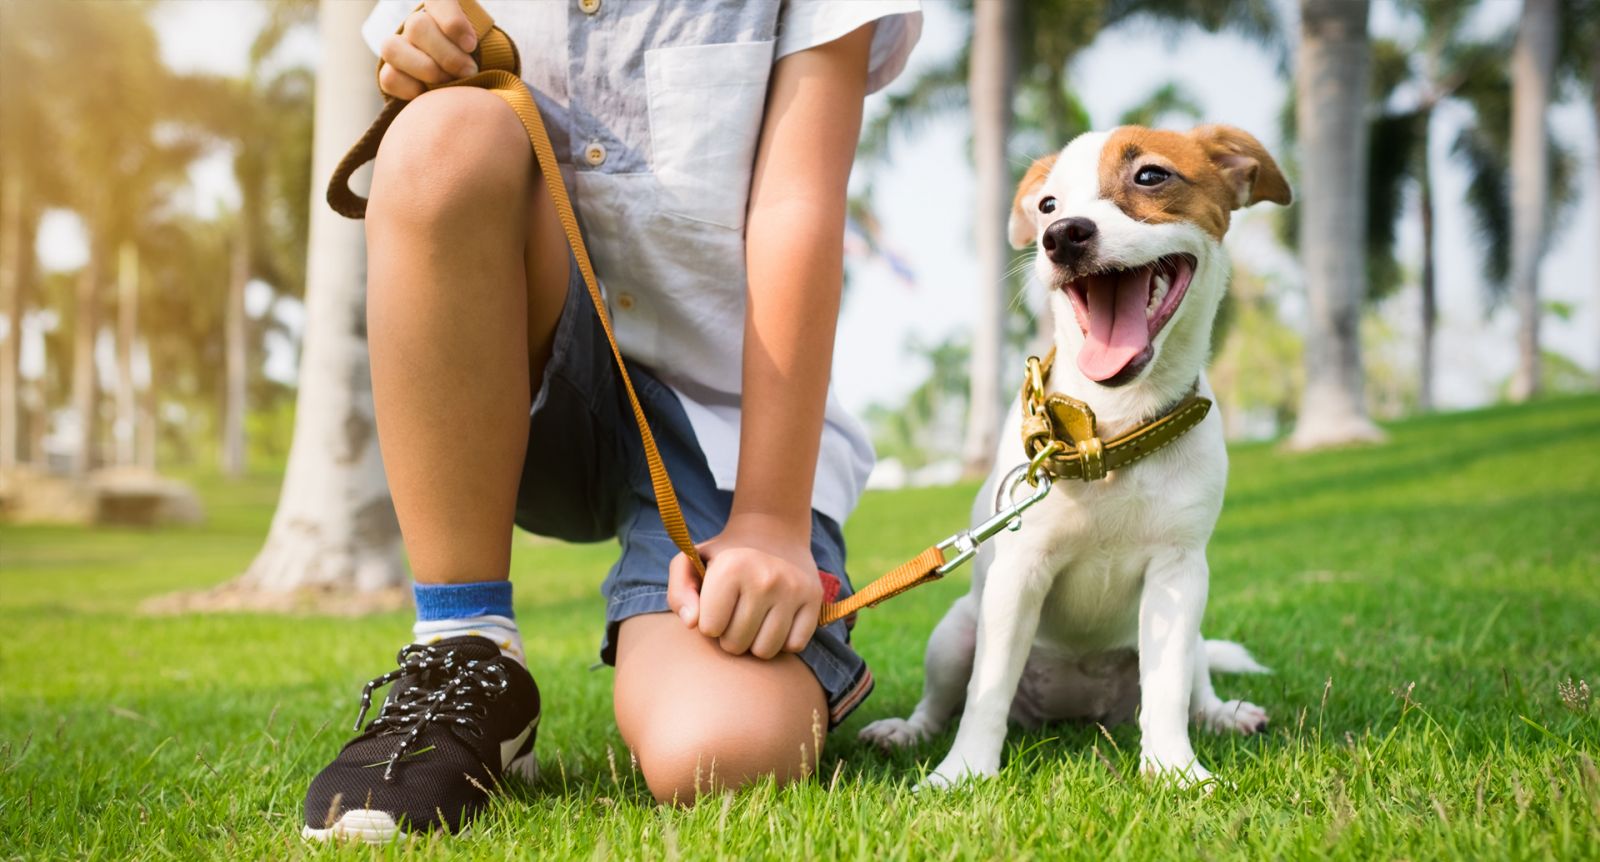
(955, 770)
(1183, 772)
(891, 733)
(1234, 716)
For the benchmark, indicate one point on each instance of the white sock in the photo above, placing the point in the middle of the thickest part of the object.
(501, 630)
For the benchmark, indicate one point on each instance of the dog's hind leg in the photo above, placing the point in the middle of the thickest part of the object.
(947, 668)
(1211, 711)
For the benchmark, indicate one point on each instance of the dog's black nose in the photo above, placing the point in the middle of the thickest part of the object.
(1068, 239)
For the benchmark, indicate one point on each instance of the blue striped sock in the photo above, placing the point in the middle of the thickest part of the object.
(482, 609)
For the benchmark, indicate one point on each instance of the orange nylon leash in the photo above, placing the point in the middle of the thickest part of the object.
(501, 70)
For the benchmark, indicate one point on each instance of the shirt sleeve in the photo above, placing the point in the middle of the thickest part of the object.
(808, 23)
(384, 21)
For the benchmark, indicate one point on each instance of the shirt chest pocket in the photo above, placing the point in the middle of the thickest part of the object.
(706, 104)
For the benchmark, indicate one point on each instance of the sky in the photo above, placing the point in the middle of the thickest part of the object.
(924, 199)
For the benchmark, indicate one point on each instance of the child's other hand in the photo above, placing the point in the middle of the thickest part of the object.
(761, 593)
(434, 47)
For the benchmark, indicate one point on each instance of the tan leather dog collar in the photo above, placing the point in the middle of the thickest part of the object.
(1053, 420)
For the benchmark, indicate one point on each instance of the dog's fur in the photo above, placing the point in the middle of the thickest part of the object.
(1094, 606)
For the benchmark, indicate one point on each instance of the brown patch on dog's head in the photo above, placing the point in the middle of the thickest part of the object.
(1020, 226)
(1200, 176)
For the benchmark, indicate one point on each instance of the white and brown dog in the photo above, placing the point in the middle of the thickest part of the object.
(1094, 606)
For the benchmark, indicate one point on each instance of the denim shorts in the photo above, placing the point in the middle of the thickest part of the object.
(585, 479)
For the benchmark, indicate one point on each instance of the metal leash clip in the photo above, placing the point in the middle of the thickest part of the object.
(1007, 512)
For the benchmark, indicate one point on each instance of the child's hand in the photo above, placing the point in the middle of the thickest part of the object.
(433, 47)
(761, 592)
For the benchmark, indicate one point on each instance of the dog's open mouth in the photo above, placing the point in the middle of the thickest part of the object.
(1120, 312)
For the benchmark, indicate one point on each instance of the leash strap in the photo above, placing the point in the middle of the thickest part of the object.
(500, 73)
(925, 567)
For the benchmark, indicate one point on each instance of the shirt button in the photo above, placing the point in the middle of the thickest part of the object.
(589, 6)
(625, 301)
(595, 154)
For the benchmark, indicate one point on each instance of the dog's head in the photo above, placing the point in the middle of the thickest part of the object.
(1128, 226)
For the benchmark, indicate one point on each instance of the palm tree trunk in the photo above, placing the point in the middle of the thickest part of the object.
(1331, 87)
(1532, 78)
(235, 373)
(85, 380)
(990, 84)
(335, 527)
(127, 330)
(11, 230)
(149, 419)
(1594, 108)
(1430, 307)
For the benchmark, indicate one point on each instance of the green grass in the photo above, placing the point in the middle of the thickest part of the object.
(1421, 602)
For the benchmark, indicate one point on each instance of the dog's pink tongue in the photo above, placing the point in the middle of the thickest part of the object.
(1118, 329)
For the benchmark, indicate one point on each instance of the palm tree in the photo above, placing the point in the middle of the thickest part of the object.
(30, 179)
(1578, 68)
(335, 528)
(1332, 82)
(1442, 66)
(991, 80)
(123, 171)
(266, 122)
(1532, 76)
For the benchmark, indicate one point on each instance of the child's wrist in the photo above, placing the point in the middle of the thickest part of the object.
(788, 527)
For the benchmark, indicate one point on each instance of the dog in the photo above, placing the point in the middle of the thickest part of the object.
(1093, 607)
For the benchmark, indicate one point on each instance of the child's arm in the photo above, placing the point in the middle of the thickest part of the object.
(761, 592)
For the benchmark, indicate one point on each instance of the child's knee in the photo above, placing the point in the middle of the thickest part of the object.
(452, 155)
(691, 756)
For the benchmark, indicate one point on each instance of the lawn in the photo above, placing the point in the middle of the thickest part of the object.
(1422, 603)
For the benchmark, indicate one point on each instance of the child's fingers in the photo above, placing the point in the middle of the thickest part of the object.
(719, 595)
(397, 51)
(774, 633)
(398, 84)
(804, 626)
(424, 32)
(452, 22)
(683, 590)
(748, 617)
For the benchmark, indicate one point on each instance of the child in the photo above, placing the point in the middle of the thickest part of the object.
(706, 146)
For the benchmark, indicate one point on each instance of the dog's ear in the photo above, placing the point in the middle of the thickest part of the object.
(1020, 225)
(1245, 165)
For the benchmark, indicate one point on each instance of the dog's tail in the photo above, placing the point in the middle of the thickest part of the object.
(1229, 657)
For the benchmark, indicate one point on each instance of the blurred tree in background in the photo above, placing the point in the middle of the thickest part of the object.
(96, 125)
(152, 351)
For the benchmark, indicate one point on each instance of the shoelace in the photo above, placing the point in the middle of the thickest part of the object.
(420, 706)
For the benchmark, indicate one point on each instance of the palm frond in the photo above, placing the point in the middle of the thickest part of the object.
(1393, 161)
(1256, 19)
(1391, 67)
(936, 92)
(1168, 100)
(1488, 199)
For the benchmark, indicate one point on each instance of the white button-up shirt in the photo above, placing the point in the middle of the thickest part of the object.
(655, 110)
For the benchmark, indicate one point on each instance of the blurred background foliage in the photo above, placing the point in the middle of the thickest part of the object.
(152, 352)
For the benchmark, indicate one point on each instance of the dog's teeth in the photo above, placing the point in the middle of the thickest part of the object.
(1160, 290)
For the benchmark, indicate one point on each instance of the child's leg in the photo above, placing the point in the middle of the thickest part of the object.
(465, 262)
(700, 719)
(462, 274)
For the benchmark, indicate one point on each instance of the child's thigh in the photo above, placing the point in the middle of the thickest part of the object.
(698, 718)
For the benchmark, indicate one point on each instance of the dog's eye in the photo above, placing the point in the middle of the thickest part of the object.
(1047, 205)
(1150, 175)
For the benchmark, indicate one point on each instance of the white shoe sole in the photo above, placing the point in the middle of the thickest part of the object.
(359, 824)
(378, 827)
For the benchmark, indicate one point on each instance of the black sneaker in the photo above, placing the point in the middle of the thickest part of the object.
(459, 717)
